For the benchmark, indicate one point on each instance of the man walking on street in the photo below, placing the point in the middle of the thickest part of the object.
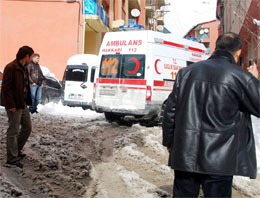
(15, 96)
(36, 79)
(207, 125)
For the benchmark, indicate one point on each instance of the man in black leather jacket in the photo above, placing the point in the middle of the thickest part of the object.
(207, 125)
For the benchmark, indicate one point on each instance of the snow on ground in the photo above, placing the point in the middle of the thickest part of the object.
(60, 109)
(125, 161)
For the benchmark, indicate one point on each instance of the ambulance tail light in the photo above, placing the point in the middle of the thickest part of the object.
(148, 93)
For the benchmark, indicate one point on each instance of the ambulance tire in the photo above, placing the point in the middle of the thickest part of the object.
(123, 122)
(110, 117)
(148, 123)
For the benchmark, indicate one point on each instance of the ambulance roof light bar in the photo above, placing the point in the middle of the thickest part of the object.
(158, 40)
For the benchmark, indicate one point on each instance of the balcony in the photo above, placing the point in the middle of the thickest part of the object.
(117, 23)
(134, 4)
(95, 16)
(160, 20)
(154, 4)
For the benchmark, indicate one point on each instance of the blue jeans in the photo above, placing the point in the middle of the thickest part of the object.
(36, 92)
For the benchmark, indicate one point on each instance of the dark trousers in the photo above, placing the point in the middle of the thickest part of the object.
(16, 137)
(188, 185)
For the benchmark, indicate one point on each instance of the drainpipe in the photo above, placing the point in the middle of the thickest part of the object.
(111, 13)
(83, 26)
(120, 9)
(126, 11)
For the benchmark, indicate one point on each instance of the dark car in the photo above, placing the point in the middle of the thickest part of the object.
(52, 90)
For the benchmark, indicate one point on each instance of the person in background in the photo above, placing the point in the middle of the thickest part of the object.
(15, 97)
(207, 122)
(36, 79)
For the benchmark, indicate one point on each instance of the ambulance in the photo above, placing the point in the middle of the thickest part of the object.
(78, 80)
(137, 73)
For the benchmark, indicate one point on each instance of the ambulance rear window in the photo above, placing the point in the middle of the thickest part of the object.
(110, 65)
(133, 66)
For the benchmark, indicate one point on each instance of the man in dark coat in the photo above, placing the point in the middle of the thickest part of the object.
(207, 125)
(15, 96)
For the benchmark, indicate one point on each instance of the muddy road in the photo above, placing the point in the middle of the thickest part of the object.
(81, 156)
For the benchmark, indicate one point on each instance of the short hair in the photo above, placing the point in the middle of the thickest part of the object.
(229, 41)
(36, 55)
(23, 51)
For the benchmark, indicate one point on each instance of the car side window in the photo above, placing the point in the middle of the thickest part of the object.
(53, 83)
(57, 84)
(48, 82)
(92, 77)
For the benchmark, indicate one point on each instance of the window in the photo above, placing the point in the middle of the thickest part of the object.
(92, 76)
(189, 63)
(77, 73)
(53, 83)
(133, 66)
(110, 66)
(123, 66)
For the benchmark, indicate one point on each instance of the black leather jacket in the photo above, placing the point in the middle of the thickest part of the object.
(207, 123)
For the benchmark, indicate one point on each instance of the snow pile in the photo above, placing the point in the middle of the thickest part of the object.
(138, 187)
(130, 153)
(153, 141)
(256, 128)
(59, 109)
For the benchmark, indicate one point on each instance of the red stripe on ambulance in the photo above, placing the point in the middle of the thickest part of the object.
(158, 83)
(173, 44)
(196, 49)
(121, 81)
(132, 82)
(183, 46)
(108, 81)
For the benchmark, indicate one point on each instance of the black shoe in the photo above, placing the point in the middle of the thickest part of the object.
(21, 155)
(15, 163)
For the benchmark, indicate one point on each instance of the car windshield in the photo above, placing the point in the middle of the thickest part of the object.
(77, 73)
(130, 66)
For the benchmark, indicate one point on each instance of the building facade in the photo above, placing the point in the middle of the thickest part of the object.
(58, 29)
(206, 33)
(242, 17)
(155, 14)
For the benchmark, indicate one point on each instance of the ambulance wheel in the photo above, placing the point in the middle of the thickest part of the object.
(149, 123)
(122, 122)
(109, 117)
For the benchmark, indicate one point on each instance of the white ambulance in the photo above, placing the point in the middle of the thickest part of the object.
(78, 80)
(137, 72)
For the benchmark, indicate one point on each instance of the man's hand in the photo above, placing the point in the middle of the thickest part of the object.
(168, 149)
(253, 70)
(12, 110)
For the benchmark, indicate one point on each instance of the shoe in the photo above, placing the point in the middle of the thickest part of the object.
(21, 155)
(15, 163)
